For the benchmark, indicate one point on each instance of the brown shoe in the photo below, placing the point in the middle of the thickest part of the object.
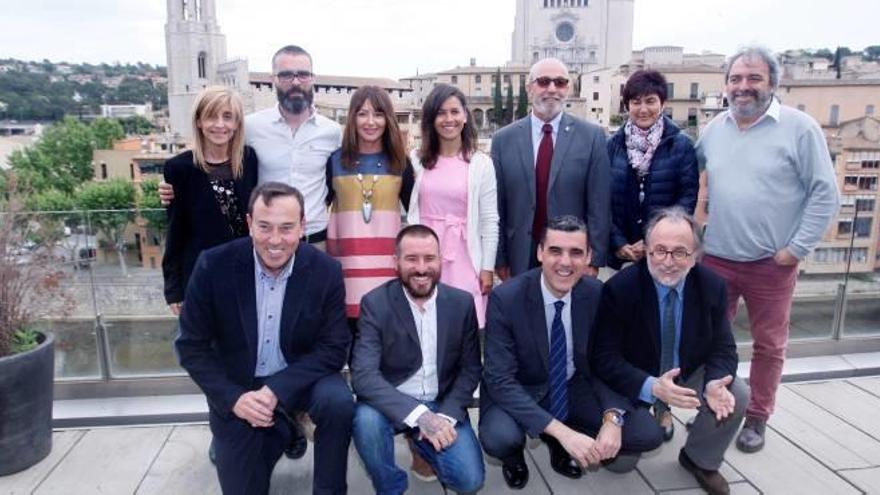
(664, 419)
(711, 481)
(420, 467)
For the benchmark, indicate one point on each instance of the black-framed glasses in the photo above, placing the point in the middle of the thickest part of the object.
(544, 81)
(289, 75)
(680, 254)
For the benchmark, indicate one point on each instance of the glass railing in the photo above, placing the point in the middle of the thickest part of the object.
(120, 328)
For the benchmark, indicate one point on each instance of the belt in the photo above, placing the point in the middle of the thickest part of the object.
(319, 236)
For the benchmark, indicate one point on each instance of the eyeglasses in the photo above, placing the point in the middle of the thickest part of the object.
(559, 82)
(660, 254)
(289, 75)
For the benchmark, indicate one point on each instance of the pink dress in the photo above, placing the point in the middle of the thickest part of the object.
(443, 198)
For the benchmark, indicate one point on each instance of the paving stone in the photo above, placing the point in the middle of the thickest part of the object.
(182, 466)
(111, 460)
(866, 479)
(26, 481)
(846, 401)
(741, 488)
(871, 385)
(599, 481)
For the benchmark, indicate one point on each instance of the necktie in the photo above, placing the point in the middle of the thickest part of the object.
(558, 362)
(542, 181)
(667, 341)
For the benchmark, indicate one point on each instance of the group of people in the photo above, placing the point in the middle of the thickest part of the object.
(286, 258)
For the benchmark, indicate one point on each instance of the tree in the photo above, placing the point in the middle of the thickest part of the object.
(871, 53)
(136, 125)
(61, 159)
(508, 105)
(107, 132)
(112, 206)
(151, 208)
(53, 210)
(522, 103)
(497, 111)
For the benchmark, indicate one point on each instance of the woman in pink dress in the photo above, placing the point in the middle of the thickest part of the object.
(454, 194)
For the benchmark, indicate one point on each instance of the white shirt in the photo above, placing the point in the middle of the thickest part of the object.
(538, 133)
(423, 385)
(550, 313)
(298, 158)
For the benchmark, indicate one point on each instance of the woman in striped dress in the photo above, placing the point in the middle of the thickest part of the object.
(369, 177)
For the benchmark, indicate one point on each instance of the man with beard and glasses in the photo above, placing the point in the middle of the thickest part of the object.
(547, 164)
(664, 340)
(292, 140)
(772, 193)
(537, 379)
(415, 366)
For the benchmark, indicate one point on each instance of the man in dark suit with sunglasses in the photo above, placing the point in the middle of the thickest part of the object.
(547, 164)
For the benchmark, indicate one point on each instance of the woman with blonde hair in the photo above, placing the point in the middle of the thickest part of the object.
(212, 184)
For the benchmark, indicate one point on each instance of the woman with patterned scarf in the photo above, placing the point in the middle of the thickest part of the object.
(653, 165)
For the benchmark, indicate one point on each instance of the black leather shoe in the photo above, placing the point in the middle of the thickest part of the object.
(516, 474)
(563, 464)
(298, 443)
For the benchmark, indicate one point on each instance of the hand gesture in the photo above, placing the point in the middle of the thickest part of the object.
(665, 389)
(719, 399)
(580, 447)
(436, 430)
(608, 440)
(166, 193)
(256, 407)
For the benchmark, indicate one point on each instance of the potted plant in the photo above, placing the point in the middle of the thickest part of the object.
(30, 288)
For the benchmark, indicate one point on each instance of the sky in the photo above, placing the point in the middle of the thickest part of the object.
(399, 38)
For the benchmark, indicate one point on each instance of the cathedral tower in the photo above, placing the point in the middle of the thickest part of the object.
(195, 48)
(585, 34)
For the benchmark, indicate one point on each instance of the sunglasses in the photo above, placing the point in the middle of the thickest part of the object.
(559, 82)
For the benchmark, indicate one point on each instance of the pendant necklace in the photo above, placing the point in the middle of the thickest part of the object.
(367, 196)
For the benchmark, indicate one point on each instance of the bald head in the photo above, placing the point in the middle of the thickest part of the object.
(548, 88)
(553, 64)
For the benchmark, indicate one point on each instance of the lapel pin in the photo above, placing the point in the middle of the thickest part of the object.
(567, 128)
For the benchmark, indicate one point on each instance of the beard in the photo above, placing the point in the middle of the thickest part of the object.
(295, 100)
(417, 291)
(753, 109)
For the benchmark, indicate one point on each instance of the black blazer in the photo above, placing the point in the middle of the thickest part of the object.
(217, 344)
(195, 222)
(627, 343)
(515, 364)
(387, 351)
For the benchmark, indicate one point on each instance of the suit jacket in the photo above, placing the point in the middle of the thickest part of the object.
(579, 185)
(516, 373)
(387, 351)
(217, 344)
(627, 343)
(195, 222)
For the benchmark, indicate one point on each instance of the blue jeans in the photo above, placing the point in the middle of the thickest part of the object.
(459, 466)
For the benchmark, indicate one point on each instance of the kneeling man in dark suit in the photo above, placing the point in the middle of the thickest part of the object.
(415, 367)
(536, 377)
(664, 340)
(263, 334)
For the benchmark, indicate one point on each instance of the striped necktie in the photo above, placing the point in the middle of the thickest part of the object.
(558, 366)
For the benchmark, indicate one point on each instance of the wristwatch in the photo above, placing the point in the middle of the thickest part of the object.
(614, 416)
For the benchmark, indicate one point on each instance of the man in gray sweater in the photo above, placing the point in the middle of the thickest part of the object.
(772, 194)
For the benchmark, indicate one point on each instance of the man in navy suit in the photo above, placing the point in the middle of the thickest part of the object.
(664, 340)
(536, 377)
(415, 368)
(263, 334)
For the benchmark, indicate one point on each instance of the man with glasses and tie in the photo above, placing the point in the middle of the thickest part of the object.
(663, 340)
(536, 375)
(547, 164)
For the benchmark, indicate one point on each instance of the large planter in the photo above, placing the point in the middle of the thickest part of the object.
(26, 381)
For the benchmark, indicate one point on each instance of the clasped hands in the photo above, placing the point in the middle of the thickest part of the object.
(718, 397)
(584, 449)
(257, 407)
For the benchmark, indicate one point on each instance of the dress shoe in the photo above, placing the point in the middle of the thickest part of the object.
(298, 444)
(711, 481)
(664, 419)
(420, 467)
(751, 437)
(563, 464)
(516, 474)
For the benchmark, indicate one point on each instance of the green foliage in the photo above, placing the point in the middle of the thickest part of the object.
(522, 102)
(871, 53)
(24, 340)
(50, 200)
(107, 132)
(151, 208)
(508, 105)
(136, 125)
(497, 110)
(112, 203)
(61, 159)
(617, 120)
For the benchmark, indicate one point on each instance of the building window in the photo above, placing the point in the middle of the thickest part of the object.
(865, 205)
(868, 183)
(667, 111)
(507, 79)
(869, 110)
(478, 79)
(870, 163)
(131, 170)
(454, 79)
(670, 90)
(862, 227)
(692, 117)
(595, 79)
(844, 227)
(695, 91)
(595, 96)
(103, 170)
(202, 65)
(835, 114)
